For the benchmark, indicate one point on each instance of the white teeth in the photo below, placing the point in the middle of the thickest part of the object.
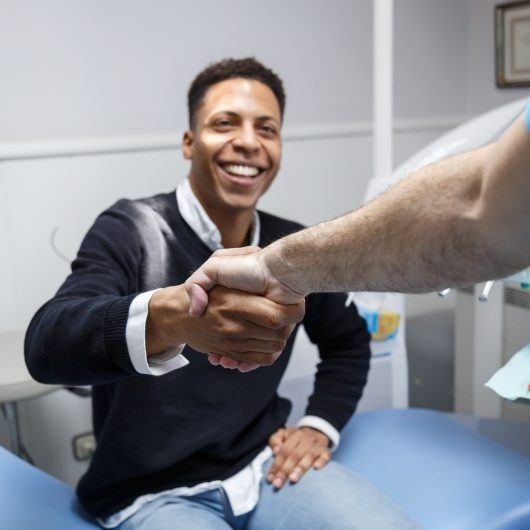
(242, 171)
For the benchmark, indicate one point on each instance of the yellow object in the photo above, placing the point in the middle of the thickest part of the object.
(387, 325)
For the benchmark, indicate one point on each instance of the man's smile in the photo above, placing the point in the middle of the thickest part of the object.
(241, 174)
(241, 170)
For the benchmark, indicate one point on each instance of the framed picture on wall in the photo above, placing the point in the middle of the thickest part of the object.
(512, 38)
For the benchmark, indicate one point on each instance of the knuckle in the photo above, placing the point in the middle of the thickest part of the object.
(275, 346)
(278, 460)
(283, 455)
(267, 359)
(285, 333)
(295, 313)
(274, 320)
(251, 358)
(304, 465)
(296, 318)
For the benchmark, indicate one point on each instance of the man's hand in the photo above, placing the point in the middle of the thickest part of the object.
(244, 269)
(296, 450)
(238, 326)
(239, 268)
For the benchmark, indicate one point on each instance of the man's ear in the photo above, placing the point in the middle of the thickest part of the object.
(187, 145)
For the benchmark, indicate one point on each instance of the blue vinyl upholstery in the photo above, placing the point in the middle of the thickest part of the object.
(439, 472)
(33, 500)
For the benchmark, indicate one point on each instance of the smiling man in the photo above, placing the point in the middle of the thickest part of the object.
(200, 446)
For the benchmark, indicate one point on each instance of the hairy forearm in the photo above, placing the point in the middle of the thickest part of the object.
(459, 221)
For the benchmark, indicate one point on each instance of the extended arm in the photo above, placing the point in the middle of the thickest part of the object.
(79, 337)
(460, 221)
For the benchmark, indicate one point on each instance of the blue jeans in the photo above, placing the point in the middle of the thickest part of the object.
(333, 498)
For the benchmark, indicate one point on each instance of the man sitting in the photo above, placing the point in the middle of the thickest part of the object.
(183, 444)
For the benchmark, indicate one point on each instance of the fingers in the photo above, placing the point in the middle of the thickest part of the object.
(299, 469)
(198, 299)
(254, 357)
(247, 367)
(283, 462)
(214, 358)
(246, 361)
(227, 267)
(266, 347)
(226, 362)
(242, 366)
(277, 439)
(197, 287)
(239, 333)
(239, 326)
(300, 450)
(237, 251)
(263, 312)
(322, 460)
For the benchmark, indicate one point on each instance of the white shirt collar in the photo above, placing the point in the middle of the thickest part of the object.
(195, 215)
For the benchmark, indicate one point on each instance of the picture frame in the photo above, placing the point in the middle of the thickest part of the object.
(512, 44)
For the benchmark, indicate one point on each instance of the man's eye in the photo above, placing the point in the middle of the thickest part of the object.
(268, 129)
(223, 123)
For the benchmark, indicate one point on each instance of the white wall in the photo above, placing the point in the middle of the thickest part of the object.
(430, 57)
(77, 68)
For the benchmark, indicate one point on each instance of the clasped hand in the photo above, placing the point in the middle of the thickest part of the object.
(244, 330)
(241, 269)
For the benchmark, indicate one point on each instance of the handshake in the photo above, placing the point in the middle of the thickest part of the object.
(234, 308)
(245, 269)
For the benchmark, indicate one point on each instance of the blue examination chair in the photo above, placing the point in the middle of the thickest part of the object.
(443, 474)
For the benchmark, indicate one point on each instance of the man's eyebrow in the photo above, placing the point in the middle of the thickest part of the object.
(266, 117)
(233, 114)
(228, 112)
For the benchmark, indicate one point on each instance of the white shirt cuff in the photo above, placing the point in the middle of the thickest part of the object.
(315, 422)
(135, 336)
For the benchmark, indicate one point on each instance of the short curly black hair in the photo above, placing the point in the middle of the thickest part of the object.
(247, 68)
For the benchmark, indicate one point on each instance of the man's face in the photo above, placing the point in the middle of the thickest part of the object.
(235, 146)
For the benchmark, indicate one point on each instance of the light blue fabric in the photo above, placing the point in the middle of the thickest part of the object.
(331, 498)
(527, 115)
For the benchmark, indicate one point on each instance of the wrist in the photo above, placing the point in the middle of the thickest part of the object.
(280, 269)
(165, 326)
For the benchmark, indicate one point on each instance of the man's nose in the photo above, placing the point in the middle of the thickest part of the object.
(247, 139)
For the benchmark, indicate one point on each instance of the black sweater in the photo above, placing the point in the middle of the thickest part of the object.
(195, 424)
